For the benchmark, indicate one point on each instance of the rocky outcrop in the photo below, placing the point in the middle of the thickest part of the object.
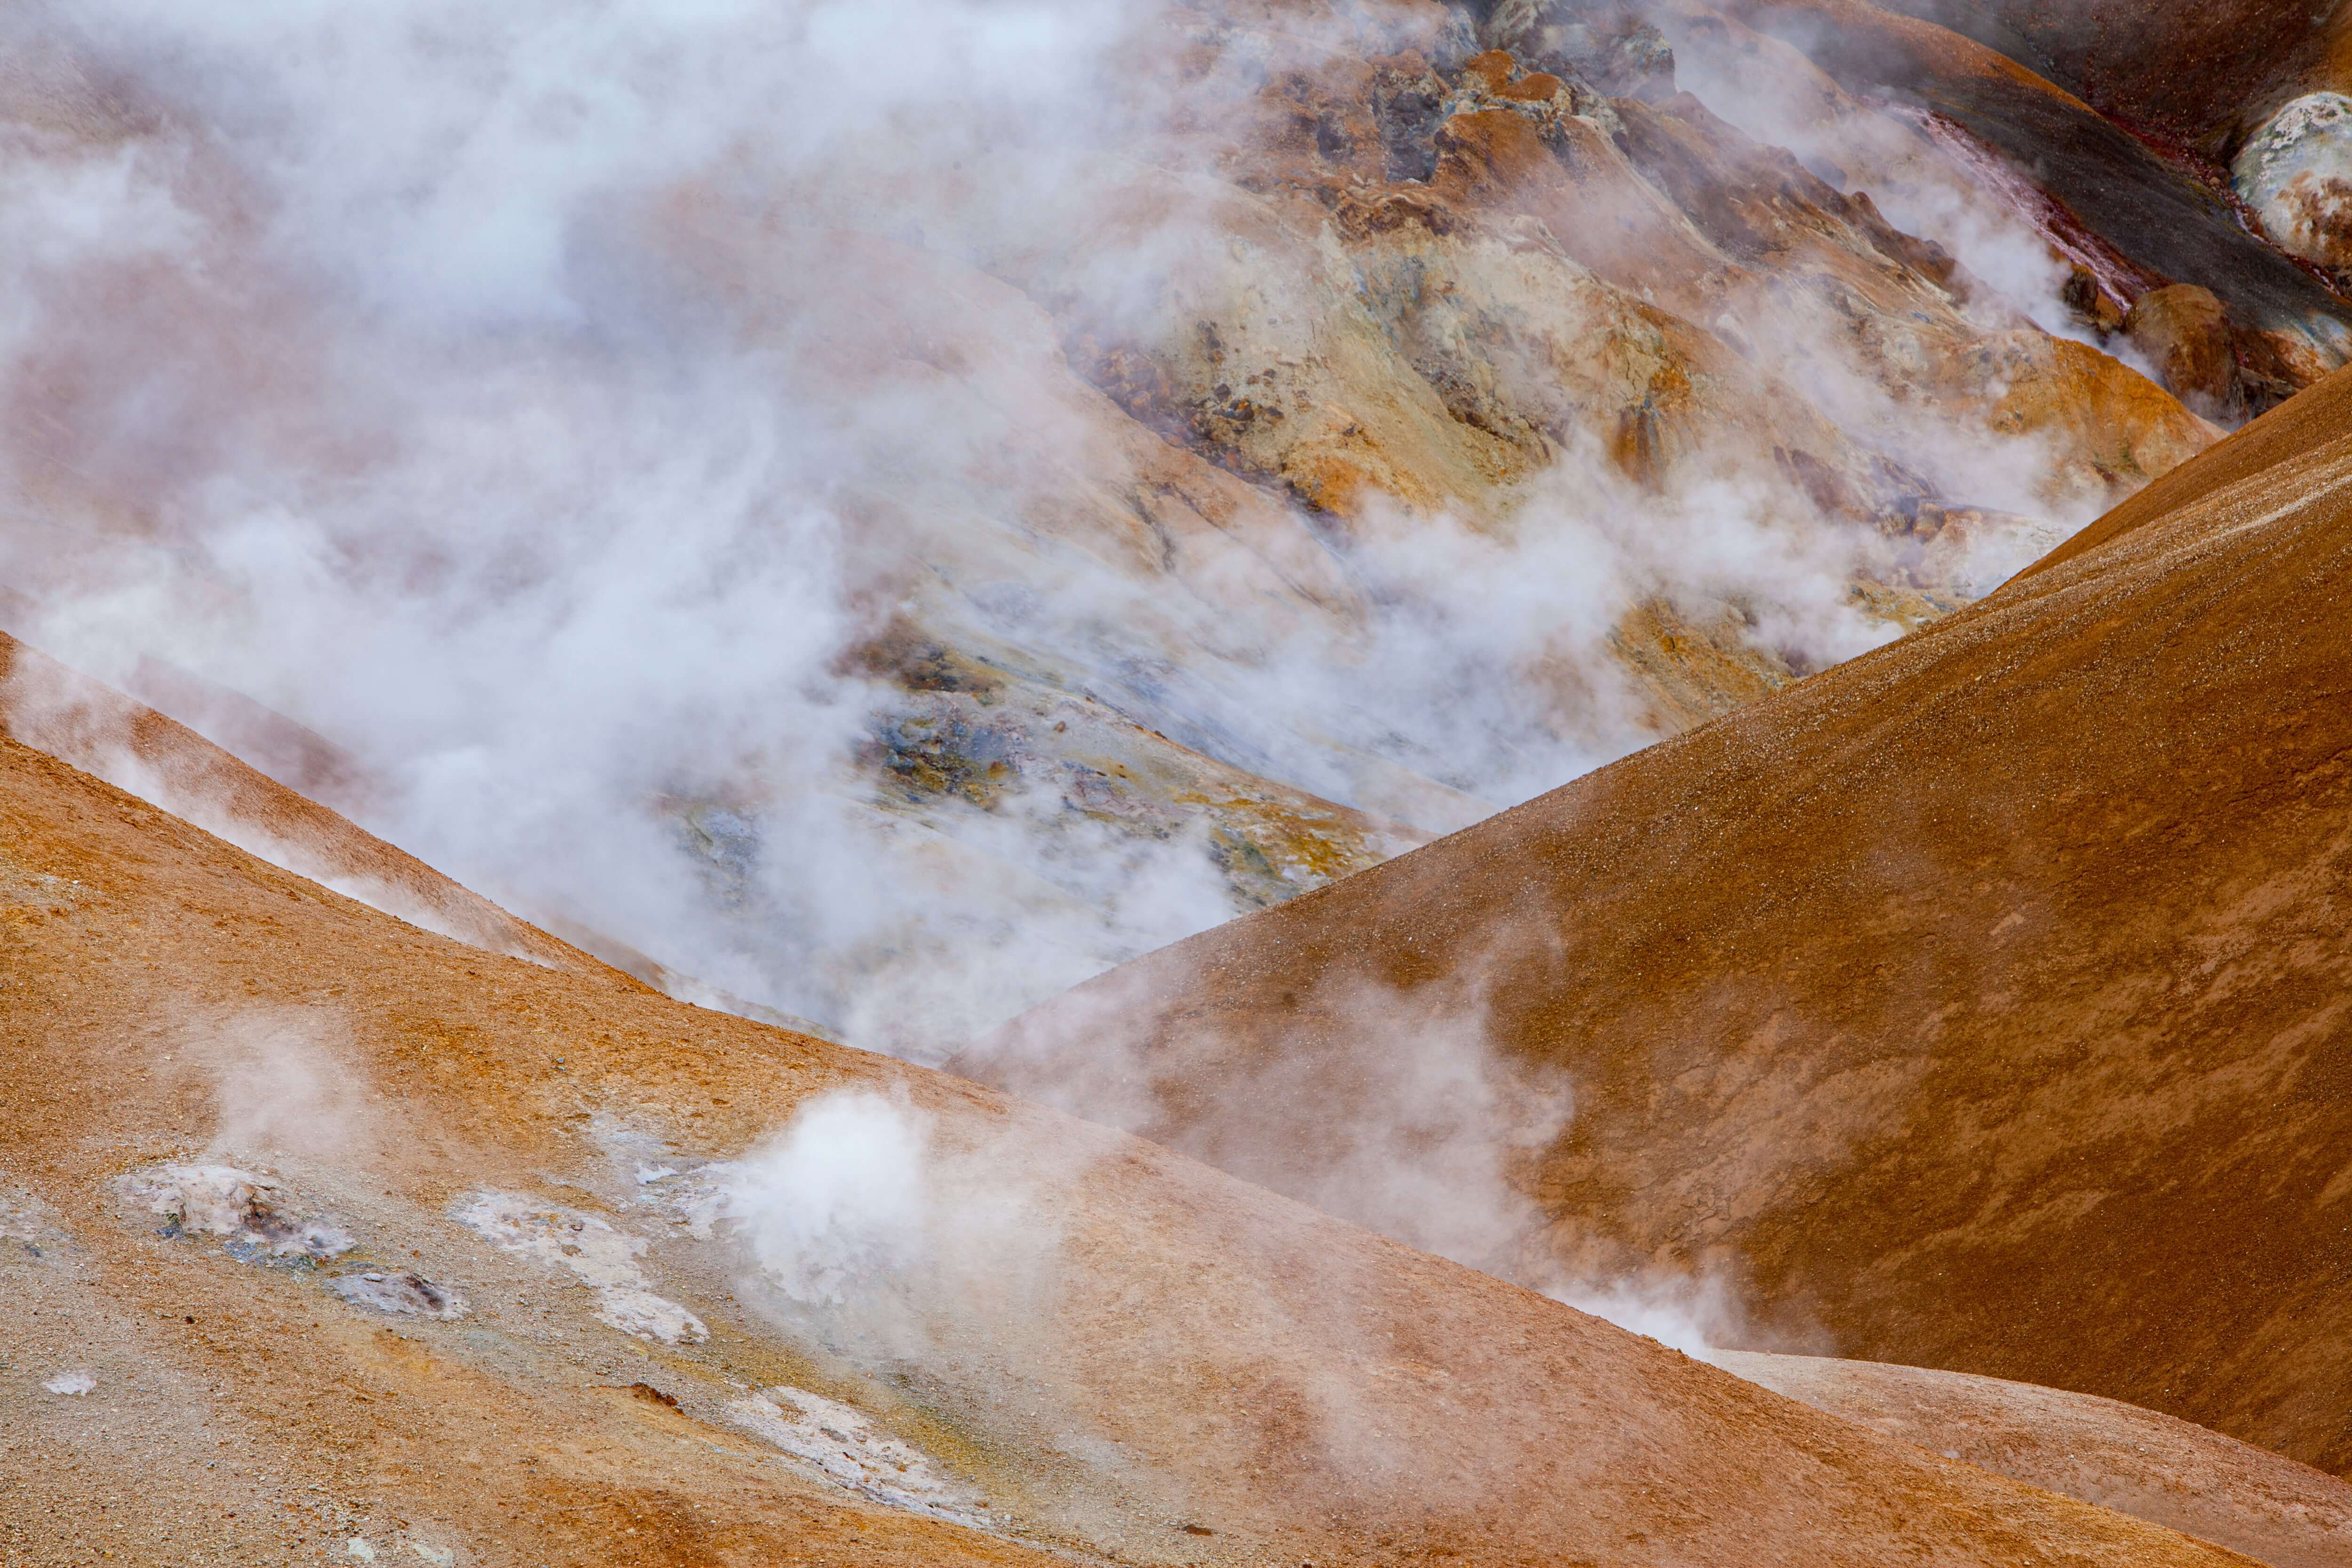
(2185, 332)
(2296, 173)
(1614, 48)
(2138, 218)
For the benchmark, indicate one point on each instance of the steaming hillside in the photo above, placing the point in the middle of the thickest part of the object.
(1975, 1005)
(1042, 484)
(324, 1234)
(1752, 594)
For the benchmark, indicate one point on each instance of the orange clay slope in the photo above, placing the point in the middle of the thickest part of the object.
(65, 713)
(315, 1227)
(1984, 1002)
(2149, 1466)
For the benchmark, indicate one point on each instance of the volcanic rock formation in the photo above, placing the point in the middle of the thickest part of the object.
(2130, 210)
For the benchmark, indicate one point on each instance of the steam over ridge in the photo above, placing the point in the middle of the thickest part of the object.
(1191, 783)
(884, 510)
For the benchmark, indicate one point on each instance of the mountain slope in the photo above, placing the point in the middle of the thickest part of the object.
(82, 722)
(1978, 1003)
(2139, 218)
(2149, 1466)
(324, 1228)
(2205, 74)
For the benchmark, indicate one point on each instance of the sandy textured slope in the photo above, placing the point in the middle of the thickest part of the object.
(2149, 1466)
(67, 715)
(323, 1229)
(1980, 1003)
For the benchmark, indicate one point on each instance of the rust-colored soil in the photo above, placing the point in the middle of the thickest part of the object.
(68, 715)
(2149, 1466)
(1145, 1361)
(1981, 1004)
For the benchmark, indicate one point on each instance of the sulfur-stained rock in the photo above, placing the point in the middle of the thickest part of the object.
(1612, 47)
(2092, 305)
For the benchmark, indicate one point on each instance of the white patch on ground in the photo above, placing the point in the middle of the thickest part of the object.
(409, 1294)
(640, 1158)
(27, 1235)
(253, 1214)
(600, 1257)
(591, 1248)
(647, 1315)
(360, 1549)
(72, 1382)
(438, 1556)
(838, 1441)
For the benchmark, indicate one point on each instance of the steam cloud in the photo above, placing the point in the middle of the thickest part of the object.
(842, 1195)
(489, 393)
(547, 404)
(1414, 1125)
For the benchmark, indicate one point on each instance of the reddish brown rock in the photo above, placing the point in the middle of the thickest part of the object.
(2185, 332)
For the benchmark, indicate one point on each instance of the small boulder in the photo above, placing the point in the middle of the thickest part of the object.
(2296, 173)
(2092, 305)
(2185, 332)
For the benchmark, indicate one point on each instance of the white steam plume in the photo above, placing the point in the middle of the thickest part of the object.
(1390, 1108)
(545, 403)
